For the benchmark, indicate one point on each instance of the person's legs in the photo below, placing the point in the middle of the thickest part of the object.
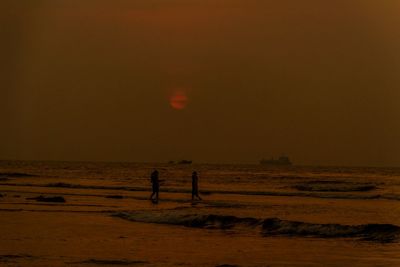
(195, 193)
(155, 192)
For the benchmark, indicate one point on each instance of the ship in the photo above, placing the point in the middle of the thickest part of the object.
(281, 161)
(184, 161)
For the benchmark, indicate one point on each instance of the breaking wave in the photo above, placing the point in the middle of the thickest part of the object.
(371, 232)
(383, 233)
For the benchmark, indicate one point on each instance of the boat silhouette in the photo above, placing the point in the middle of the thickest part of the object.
(281, 161)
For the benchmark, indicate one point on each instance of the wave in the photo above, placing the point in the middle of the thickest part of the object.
(371, 232)
(41, 198)
(209, 221)
(16, 174)
(383, 233)
(7, 176)
(300, 193)
(334, 188)
(109, 262)
(12, 258)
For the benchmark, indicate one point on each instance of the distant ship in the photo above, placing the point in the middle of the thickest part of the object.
(281, 161)
(185, 162)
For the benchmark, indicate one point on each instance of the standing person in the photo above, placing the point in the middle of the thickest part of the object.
(195, 186)
(155, 186)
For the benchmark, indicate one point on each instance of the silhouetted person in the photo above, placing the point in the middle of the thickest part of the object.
(195, 186)
(155, 186)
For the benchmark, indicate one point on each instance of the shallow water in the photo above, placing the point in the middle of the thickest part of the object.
(323, 216)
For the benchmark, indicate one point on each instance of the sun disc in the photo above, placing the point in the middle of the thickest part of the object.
(178, 100)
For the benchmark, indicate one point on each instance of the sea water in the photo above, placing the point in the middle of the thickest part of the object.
(294, 215)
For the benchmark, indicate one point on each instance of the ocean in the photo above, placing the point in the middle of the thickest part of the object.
(98, 214)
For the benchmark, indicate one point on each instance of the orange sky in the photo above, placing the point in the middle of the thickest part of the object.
(92, 80)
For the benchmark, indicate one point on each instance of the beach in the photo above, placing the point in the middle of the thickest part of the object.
(99, 214)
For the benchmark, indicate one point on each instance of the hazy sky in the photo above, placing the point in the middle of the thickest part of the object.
(316, 80)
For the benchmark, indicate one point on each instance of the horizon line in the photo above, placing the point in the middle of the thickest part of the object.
(202, 163)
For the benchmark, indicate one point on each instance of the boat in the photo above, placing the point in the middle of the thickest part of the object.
(281, 161)
(185, 162)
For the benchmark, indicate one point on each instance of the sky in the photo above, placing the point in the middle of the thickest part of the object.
(217, 81)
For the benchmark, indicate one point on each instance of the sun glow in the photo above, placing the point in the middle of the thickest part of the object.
(178, 99)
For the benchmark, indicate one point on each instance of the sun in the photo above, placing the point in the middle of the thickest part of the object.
(178, 99)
